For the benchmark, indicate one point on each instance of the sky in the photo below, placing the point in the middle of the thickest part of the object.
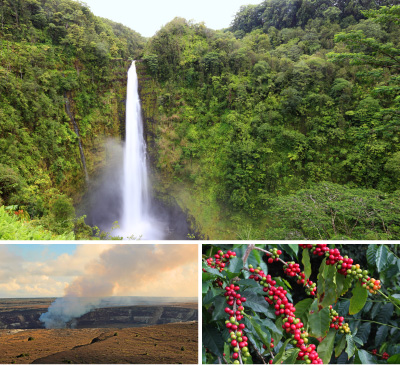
(55, 270)
(147, 17)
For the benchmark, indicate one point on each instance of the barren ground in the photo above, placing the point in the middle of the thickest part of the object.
(172, 343)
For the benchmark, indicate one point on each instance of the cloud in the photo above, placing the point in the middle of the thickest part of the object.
(127, 270)
(21, 278)
(103, 270)
(10, 263)
(137, 269)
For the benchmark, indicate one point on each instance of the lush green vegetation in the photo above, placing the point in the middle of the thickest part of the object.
(53, 53)
(285, 125)
(285, 122)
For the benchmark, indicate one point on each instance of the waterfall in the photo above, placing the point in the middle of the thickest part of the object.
(136, 219)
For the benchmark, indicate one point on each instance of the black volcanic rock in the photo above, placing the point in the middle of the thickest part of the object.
(129, 316)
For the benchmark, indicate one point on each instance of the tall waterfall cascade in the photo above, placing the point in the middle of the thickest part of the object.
(136, 219)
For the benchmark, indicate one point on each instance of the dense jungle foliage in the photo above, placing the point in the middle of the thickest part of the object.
(62, 71)
(285, 125)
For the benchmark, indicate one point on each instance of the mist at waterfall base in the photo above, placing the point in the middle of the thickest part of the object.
(122, 268)
(122, 192)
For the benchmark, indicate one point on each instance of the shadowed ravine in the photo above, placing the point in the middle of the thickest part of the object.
(122, 192)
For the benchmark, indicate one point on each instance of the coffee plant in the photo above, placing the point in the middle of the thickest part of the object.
(308, 303)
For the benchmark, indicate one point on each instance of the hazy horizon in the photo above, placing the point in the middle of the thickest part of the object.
(148, 17)
(98, 270)
(119, 296)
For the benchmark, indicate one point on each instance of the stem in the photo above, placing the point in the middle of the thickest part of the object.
(273, 357)
(240, 350)
(385, 296)
(369, 300)
(368, 320)
(269, 253)
(247, 253)
(258, 353)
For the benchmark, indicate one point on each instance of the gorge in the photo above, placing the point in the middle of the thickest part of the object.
(292, 109)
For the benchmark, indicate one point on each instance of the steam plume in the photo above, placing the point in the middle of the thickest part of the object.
(124, 270)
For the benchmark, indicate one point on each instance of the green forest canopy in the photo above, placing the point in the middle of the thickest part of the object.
(296, 98)
(286, 101)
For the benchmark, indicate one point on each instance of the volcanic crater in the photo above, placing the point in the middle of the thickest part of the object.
(147, 334)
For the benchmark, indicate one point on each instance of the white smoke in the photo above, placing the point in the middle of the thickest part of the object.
(126, 269)
(64, 310)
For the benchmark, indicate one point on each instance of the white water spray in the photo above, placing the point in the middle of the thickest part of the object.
(136, 220)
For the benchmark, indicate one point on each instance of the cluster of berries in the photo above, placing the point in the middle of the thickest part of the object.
(221, 260)
(345, 265)
(237, 338)
(372, 286)
(319, 249)
(256, 274)
(333, 256)
(274, 256)
(306, 245)
(385, 355)
(311, 287)
(232, 296)
(337, 322)
(277, 296)
(291, 268)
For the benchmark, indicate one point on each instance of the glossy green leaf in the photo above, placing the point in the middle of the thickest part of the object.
(319, 323)
(219, 308)
(306, 263)
(363, 357)
(290, 356)
(325, 348)
(256, 302)
(212, 273)
(385, 313)
(278, 357)
(381, 335)
(358, 299)
(395, 359)
(395, 298)
(351, 346)
(302, 309)
(264, 336)
(375, 310)
(294, 247)
(381, 257)
(211, 294)
(235, 265)
(363, 332)
(212, 340)
(204, 286)
(340, 346)
(227, 350)
(371, 254)
(330, 286)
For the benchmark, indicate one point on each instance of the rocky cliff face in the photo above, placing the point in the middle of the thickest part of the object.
(162, 180)
(135, 316)
(131, 316)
